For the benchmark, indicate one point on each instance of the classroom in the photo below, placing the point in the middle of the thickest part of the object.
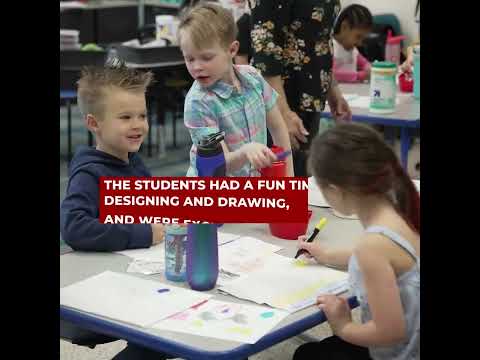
(327, 91)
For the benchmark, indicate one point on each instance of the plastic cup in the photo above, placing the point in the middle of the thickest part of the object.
(290, 231)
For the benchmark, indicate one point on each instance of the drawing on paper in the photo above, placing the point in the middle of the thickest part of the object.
(224, 320)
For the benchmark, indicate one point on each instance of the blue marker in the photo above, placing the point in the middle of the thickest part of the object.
(163, 290)
(283, 155)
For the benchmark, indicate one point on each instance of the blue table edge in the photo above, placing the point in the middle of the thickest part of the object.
(378, 119)
(173, 348)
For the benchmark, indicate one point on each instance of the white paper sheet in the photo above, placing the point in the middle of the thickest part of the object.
(128, 298)
(225, 237)
(154, 253)
(146, 267)
(244, 255)
(315, 196)
(288, 284)
(225, 320)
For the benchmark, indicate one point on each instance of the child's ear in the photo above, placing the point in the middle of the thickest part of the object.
(91, 123)
(336, 190)
(344, 26)
(233, 49)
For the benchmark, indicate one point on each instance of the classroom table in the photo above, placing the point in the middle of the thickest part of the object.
(406, 115)
(77, 266)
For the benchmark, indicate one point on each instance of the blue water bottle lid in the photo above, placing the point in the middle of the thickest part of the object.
(210, 145)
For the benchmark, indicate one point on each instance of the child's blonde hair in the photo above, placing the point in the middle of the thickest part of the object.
(207, 23)
(94, 81)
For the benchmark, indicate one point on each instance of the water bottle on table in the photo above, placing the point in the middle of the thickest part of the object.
(175, 252)
(202, 240)
(392, 48)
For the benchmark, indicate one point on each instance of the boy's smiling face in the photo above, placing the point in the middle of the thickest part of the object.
(123, 125)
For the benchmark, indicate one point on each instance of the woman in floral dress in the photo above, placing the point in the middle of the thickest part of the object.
(292, 47)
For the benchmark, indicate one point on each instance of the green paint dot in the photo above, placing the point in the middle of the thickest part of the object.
(267, 314)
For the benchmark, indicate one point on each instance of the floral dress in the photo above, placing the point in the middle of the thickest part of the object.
(293, 38)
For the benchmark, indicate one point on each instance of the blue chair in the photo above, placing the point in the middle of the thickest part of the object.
(388, 19)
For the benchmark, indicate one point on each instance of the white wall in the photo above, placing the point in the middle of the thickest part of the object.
(403, 9)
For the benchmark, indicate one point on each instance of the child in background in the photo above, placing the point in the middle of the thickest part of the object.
(226, 97)
(359, 173)
(351, 28)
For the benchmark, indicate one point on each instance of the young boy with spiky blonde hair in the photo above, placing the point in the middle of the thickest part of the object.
(112, 103)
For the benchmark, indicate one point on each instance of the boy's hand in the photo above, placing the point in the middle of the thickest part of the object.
(259, 155)
(314, 249)
(158, 233)
(336, 310)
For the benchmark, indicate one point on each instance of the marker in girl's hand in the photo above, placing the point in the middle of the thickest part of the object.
(318, 227)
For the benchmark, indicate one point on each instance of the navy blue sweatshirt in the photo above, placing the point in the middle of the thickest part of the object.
(79, 211)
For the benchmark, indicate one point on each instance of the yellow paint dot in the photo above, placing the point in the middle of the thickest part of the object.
(198, 323)
(240, 330)
(300, 262)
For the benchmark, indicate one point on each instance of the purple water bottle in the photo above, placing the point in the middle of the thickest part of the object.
(202, 256)
(202, 241)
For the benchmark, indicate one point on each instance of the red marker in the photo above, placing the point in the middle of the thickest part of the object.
(196, 306)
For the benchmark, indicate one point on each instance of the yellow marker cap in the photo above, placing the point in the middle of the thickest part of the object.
(321, 223)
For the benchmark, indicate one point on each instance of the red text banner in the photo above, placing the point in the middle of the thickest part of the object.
(166, 200)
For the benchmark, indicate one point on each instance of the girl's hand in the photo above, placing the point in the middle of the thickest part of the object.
(259, 155)
(314, 249)
(336, 310)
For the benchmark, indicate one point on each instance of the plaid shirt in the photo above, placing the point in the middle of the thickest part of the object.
(222, 108)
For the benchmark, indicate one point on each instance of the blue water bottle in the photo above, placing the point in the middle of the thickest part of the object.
(202, 241)
(202, 256)
(210, 156)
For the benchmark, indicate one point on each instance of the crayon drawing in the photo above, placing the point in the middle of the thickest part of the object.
(224, 320)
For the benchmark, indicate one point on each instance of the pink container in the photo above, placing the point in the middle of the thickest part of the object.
(393, 47)
(290, 231)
